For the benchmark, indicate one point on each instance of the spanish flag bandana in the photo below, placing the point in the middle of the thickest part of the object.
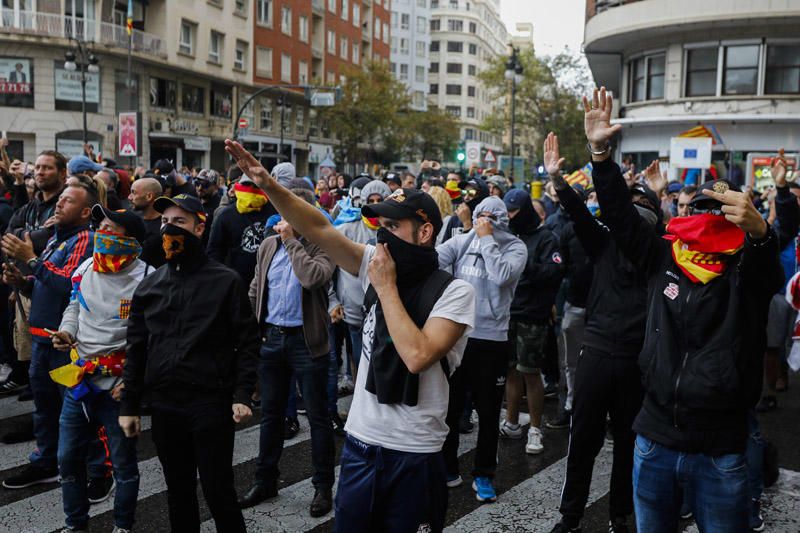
(453, 190)
(702, 245)
(249, 197)
(113, 252)
(370, 222)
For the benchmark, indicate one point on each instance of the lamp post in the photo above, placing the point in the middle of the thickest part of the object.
(514, 75)
(88, 62)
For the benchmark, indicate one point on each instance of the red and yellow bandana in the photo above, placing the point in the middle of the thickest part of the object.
(249, 197)
(702, 245)
(370, 222)
(113, 252)
(452, 189)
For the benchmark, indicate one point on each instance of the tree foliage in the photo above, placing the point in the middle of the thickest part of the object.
(547, 99)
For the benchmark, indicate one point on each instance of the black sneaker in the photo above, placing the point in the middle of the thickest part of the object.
(10, 387)
(301, 406)
(15, 437)
(560, 422)
(618, 525)
(338, 424)
(291, 428)
(561, 527)
(25, 395)
(465, 425)
(31, 475)
(100, 488)
(551, 391)
(767, 403)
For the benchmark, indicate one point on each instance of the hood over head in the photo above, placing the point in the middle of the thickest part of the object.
(496, 207)
(375, 187)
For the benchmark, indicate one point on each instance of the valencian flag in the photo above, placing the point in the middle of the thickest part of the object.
(129, 21)
(582, 177)
(703, 244)
(704, 131)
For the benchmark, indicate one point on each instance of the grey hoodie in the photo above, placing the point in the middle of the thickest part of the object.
(492, 265)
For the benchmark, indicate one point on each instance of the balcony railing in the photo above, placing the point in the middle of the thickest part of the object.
(595, 7)
(54, 25)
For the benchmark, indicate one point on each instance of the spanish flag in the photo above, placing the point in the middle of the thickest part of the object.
(129, 21)
(249, 197)
(703, 244)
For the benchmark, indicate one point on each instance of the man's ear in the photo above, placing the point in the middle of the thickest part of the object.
(199, 228)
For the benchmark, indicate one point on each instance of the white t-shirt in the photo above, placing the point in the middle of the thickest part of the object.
(422, 428)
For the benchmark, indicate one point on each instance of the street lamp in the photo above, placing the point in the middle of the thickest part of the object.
(514, 75)
(88, 63)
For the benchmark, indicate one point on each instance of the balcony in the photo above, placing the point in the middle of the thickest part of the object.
(598, 6)
(59, 26)
(317, 49)
(318, 7)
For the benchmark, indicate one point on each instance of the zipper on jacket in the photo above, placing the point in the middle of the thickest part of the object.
(683, 362)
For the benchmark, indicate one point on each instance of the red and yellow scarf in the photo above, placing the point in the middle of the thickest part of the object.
(113, 252)
(702, 245)
(249, 197)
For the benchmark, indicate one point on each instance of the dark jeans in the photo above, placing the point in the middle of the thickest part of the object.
(281, 354)
(78, 430)
(716, 485)
(610, 386)
(333, 369)
(389, 491)
(47, 400)
(192, 439)
(482, 373)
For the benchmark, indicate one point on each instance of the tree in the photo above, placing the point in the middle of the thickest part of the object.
(436, 134)
(548, 99)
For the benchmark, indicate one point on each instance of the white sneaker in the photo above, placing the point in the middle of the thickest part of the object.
(5, 371)
(507, 431)
(534, 445)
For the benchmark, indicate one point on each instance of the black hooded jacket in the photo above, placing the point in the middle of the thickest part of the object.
(536, 291)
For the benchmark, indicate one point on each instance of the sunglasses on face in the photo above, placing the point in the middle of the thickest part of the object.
(200, 184)
(705, 211)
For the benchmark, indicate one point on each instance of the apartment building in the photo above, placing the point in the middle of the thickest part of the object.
(410, 41)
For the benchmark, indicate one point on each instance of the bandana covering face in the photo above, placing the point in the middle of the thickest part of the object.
(702, 244)
(453, 189)
(371, 223)
(181, 247)
(249, 198)
(113, 252)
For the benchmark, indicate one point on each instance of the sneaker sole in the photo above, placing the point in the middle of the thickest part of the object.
(52, 479)
(107, 496)
(478, 497)
(454, 484)
(534, 451)
(557, 426)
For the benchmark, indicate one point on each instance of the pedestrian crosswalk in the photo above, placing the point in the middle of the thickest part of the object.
(529, 488)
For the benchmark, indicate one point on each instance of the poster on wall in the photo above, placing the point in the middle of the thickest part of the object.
(15, 75)
(759, 175)
(128, 134)
(68, 86)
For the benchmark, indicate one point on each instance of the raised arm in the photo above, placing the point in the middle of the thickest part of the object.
(305, 218)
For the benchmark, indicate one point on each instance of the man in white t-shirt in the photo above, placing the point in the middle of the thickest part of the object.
(417, 322)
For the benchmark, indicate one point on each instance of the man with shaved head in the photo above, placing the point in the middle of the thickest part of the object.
(144, 192)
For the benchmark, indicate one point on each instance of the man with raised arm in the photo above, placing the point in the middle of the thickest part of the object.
(417, 322)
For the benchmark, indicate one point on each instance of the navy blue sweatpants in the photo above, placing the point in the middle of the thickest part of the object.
(389, 491)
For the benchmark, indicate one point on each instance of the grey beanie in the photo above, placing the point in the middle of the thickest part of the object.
(375, 187)
(284, 173)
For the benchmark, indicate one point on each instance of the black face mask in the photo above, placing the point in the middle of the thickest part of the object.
(413, 263)
(526, 221)
(183, 248)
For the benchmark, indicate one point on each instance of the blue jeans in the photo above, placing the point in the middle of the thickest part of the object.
(716, 487)
(333, 369)
(282, 354)
(78, 425)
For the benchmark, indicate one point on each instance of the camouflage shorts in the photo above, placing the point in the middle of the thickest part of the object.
(528, 341)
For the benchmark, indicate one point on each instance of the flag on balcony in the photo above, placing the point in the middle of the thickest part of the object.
(704, 131)
(129, 22)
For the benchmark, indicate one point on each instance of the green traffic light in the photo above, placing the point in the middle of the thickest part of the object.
(461, 156)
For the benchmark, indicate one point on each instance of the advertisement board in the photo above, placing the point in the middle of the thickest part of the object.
(128, 134)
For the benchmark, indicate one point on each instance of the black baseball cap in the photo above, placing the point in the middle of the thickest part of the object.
(186, 202)
(163, 167)
(720, 186)
(393, 177)
(651, 197)
(133, 224)
(407, 203)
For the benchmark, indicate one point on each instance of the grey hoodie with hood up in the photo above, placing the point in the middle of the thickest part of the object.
(492, 265)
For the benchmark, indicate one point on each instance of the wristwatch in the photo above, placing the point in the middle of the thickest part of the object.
(32, 262)
(604, 151)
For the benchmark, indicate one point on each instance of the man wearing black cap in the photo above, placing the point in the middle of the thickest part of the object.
(415, 330)
(192, 346)
(175, 182)
(392, 179)
(94, 328)
(710, 281)
(206, 185)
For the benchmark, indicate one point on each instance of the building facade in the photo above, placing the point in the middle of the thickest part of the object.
(466, 35)
(410, 41)
(731, 66)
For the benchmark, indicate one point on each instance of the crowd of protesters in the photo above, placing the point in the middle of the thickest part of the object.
(654, 311)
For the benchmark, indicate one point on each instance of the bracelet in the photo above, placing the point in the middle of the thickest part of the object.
(605, 150)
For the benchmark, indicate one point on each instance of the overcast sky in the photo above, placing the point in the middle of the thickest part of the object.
(556, 23)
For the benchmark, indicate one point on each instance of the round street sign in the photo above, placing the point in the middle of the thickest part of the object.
(473, 154)
(243, 123)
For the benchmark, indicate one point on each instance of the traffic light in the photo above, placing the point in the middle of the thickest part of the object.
(461, 153)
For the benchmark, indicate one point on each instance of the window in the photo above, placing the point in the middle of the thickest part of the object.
(302, 73)
(344, 47)
(240, 7)
(783, 69)
(419, 74)
(266, 114)
(455, 25)
(192, 98)
(332, 6)
(453, 89)
(473, 49)
(356, 53)
(421, 49)
(126, 95)
(455, 46)
(471, 90)
(434, 4)
(331, 42)
(356, 14)
(264, 12)
(162, 93)
(264, 62)
(434, 46)
(386, 32)
(377, 29)
(422, 24)
(418, 99)
(394, 45)
(286, 20)
(330, 77)
(405, 21)
(469, 134)
(741, 69)
(286, 67)
(471, 70)
(436, 24)
(454, 4)
(647, 78)
(454, 68)
(701, 71)
(186, 43)
(215, 46)
(221, 98)
(345, 10)
(302, 28)
(473, 28)
(300, 121)
(403, 72)
(434, 68)
(453, 110)
(404, 46)
(393, 18)
(434, 89)
(470, 112)
(422, 3)
(250, 109)
(240, 55)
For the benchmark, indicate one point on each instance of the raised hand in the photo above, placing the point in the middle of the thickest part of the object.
(597, 119)
(552, 160)
(778, 169)
(250, 165)
(739, 209)
(654, 178)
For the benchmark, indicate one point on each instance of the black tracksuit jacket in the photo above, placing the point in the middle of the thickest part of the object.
(536, 291)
